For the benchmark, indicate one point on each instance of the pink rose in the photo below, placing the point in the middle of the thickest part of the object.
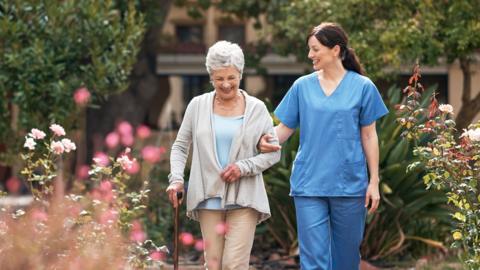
(81, 96)
(112, 139)
(143, 132)
(57, 147)
(101, 159)
(152, 154)
(13, 184)
(127, 140)
(199, 245)
(124, 128)
(57, 130)
(134, 169)
(125, 162)
(68, 145)
(36, 134)
(186, 238)
(157, 255)
(82, 171)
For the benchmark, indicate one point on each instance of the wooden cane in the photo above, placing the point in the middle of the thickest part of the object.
(175, 232)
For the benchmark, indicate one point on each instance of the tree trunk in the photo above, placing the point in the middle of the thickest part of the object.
(470, 107)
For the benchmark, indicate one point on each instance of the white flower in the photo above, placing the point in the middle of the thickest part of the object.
(36, 134)
(57, 130)
(29, 143)
(474, 134)
(446, 108)
(57, 147)
(68, 145)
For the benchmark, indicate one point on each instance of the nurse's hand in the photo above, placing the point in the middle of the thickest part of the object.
(231, 173)
(172, 190)
(265, 147)
(372, 197)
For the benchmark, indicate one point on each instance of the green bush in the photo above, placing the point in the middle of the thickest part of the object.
(48, 49)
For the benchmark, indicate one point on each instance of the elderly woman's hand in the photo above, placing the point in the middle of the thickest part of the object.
(265, 147)
(172, 190)
(231, 173)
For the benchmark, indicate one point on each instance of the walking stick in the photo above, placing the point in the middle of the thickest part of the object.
(175, 232)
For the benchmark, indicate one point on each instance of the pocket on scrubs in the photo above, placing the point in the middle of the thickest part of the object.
(350, 151)
(355, 176)
(348, 124)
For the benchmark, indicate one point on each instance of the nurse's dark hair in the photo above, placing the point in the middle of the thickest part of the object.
(331, 34)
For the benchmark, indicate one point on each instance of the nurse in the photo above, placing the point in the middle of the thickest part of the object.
(335, 108)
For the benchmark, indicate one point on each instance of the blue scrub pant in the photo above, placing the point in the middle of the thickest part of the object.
(330, 231)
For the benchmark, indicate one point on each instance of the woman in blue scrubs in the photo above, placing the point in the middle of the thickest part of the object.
(335, 109)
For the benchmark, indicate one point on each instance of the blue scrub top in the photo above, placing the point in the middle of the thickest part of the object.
(330, 160)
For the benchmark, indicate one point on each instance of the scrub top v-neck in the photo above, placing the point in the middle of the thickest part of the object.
(330, 160)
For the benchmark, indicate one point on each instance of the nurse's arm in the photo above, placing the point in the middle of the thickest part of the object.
(283, 133)
(370, 147)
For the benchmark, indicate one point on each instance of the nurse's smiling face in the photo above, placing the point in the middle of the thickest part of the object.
(321, 56)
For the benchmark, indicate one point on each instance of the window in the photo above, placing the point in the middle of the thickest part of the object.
(189, 34)
(232, 33)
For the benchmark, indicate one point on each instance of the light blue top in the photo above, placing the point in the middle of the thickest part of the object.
(225, 129)
(330, 160)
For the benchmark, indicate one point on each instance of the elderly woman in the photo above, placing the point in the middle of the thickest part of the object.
(225, 188)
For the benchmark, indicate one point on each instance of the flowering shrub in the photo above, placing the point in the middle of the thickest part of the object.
(90, 230)
(451, 164)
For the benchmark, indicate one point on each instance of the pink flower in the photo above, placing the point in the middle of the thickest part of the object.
(81, 96)
(105, 186)
(39, 215)
(152, 154)
(127, 140)
(135, 168)
(112, 139)
(57, 147)
(29, 143)
(221, 228)
(57, 130)
(82, 171)
(186, 238)
(125, 162)
(157, 255)
(36, 134)
(13, 184)
(68, 145)
(137, 234)
(124, 128)
(101, 159)
(199, 245)
(108, 216)
(143, 132)
(105, 191)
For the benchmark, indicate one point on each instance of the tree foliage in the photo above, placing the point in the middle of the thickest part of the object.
(383, 33)
(50, 48)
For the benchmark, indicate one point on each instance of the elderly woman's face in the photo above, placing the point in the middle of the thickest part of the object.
(226, 82)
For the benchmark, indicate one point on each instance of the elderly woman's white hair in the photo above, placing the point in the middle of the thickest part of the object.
(225, 54)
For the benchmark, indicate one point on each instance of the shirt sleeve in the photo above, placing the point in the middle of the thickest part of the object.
(372, 105)
(288, 109)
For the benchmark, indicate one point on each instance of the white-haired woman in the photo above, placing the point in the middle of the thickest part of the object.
(225, 188)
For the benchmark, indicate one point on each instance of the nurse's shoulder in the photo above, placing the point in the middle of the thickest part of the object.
(363, 82)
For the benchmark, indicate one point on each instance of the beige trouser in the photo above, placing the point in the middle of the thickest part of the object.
(232, 250)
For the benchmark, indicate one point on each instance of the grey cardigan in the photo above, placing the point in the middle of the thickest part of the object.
(205, 181)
